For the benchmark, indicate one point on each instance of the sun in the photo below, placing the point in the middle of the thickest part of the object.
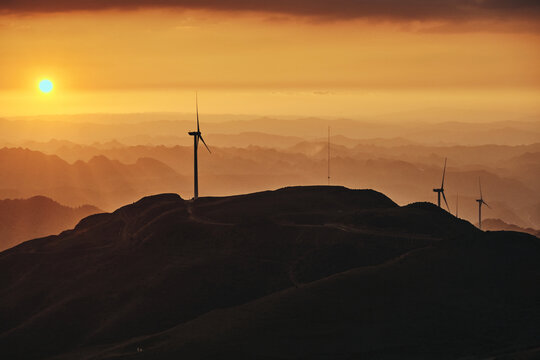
(45, 86)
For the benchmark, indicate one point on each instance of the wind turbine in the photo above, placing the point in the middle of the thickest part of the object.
(480, 203)
(196, 136)
(441, 190)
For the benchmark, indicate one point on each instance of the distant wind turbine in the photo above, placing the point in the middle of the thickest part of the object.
(196, 136)
(441, 190)
(480, 203)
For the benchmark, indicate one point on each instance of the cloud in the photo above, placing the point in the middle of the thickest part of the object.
(408, 10)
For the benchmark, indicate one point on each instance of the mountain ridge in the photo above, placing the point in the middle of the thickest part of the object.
(100, 181)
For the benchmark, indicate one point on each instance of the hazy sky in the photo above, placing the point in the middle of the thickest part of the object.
(342, 58)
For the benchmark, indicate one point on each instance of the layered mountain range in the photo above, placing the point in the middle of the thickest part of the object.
(25, 219)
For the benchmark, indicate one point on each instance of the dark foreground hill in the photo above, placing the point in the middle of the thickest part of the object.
(25, 219)
(297, 273)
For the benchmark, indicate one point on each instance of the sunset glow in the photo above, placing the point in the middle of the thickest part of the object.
(151, 59)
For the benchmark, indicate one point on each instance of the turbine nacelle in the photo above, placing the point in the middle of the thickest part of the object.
(482, 202)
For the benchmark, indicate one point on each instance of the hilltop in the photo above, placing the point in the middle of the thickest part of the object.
(300, 272)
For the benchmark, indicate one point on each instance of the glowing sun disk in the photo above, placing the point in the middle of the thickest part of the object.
(45, 86)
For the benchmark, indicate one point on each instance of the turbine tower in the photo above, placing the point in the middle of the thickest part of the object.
(441, 189)
(196, 136)
(480, 203)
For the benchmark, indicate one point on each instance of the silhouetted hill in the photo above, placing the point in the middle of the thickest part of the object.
(38, 216)
(301, 272)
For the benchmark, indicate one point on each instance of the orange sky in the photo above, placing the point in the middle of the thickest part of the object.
(260, 63)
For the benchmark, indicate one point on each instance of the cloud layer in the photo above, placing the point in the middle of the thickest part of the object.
(337, 9)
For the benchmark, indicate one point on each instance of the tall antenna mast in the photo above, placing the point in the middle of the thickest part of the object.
(328, 155)
(457, 205)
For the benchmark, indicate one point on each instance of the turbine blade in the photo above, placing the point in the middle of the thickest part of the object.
(446, 202)
(480, 186)
(444, 172)
(207, 148)
(197, 109)
(485, 203)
